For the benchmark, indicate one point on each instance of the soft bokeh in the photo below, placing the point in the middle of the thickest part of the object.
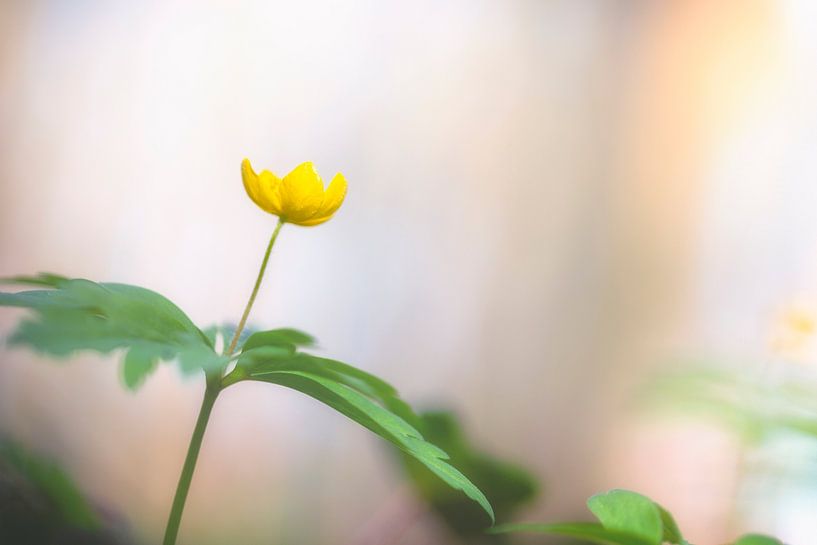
(549, 201)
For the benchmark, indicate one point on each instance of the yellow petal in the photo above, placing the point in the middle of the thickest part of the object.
(250, 179)
(301, 193)
(314, 220)
(271, 191)
(334, 195)
(262, 189)
(332, 199)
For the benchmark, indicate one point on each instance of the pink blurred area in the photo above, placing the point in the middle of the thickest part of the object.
(549, 200)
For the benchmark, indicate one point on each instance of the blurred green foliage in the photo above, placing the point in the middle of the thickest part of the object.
(757, 539)
(40, 504)
(507, 486)
(752, 406)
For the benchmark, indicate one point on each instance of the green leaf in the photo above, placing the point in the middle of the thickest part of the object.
(74, 315)
(595, 533)
(672, 534)
(42, 279)
(139, 362)
(757, 539)
(627, 518)
(507, 486)
(629, 512)
(258, 359)
(226, 332)
(278, 337)
(358, 395)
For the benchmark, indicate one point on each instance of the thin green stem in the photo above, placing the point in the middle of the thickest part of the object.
(254, 293)
(214, 387)
(210, 396)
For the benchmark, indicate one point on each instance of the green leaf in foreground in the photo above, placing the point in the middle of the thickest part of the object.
(757, 539)
(595, 533)
(364, 398)
(71, 315)
(507, 486)
(628, 512)
(672, 534)
(625, 517)
(276, 350)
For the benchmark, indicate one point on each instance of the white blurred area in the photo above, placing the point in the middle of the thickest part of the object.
(548, 200)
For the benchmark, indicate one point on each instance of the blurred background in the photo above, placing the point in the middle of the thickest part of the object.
(550, 202)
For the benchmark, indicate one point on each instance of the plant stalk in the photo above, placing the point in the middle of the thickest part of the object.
(210, 396)
(254, 293)
(214, 387)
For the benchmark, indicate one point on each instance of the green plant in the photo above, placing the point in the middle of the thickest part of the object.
(507, 486)
(40, 504)
(624, 518)
(71, 315)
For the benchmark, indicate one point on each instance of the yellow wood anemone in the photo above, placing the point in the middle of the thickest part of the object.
(299, 197)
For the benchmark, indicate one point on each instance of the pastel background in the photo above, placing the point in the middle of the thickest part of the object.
(549, 201)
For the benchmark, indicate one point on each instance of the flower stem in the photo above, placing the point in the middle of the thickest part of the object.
(250, 302)
(210, 395)
(214, 387)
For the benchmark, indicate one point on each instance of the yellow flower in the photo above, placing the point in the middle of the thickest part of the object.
(299, 197)
(794, 332)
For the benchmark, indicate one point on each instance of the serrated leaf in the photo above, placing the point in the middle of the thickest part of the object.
(78, 314)
(757, 539)
(595, 533)
(334, 384)
(629, 512)
(263, 359)
(507, 486)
